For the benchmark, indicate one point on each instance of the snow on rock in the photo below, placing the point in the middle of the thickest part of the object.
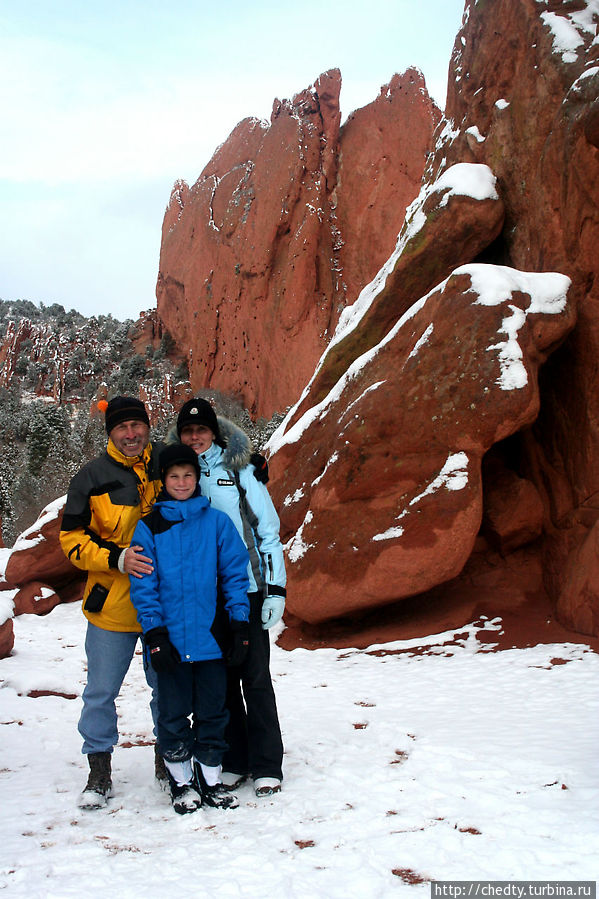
(37, 561)
(405, 488)
(7, 605)
(450, 222)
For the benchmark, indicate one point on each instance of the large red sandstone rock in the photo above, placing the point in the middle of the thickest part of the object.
(37, 554)
(283, 227)
(578, 604)
(36, 598)
(7, 638)
(382, 151)
(513, 510)
(379, 487)
(449, 223)
(522, 102)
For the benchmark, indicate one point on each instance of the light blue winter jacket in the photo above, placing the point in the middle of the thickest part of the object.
(191, 546)
(217, 483)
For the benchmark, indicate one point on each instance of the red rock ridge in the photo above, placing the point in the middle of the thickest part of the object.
(282, 229)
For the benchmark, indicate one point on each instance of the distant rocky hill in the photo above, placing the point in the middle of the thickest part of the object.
(69, 358)
(54, 366)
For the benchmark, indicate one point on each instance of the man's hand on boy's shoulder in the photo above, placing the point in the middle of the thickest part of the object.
(134, 563)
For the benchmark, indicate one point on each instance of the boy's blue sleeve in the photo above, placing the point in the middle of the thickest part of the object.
(232, 563)
(144, 590)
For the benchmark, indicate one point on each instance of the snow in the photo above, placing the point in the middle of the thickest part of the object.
(464, 179)
(567, 30)
(296, 548)
(7, 606)
(502, 104)
(294, 497)
(474, 131)
(449, 763)
(421, 341)
(494, 285)
(453, 476)
(513, 372)
(393, 533)
(48, 513)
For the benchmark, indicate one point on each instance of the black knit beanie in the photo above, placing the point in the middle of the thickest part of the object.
(177, 454)
(199, 412)
(125, 408)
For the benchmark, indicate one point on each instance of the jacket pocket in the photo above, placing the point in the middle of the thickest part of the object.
(96, 598)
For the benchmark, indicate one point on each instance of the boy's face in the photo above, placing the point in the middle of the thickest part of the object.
(198, 437)
(180, 481)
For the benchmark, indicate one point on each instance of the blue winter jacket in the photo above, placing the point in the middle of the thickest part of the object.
(191, 546)
(266, 570)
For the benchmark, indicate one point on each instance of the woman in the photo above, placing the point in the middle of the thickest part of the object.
(228, 480)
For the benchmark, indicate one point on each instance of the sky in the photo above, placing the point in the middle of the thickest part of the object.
(106, 104)
(418, 760)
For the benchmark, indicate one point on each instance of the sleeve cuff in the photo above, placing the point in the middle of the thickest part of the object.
(120, 562)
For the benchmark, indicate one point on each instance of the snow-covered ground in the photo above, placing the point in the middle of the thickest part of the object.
(402, 766)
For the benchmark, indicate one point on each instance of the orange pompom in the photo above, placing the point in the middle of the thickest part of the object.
(102, 405)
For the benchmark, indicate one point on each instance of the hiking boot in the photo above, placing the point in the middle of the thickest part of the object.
(99, 783)
(267, 786)
(160, 771)
(184, 797)
(216, 796)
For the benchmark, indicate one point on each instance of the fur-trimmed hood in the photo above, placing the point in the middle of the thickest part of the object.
(238, 447)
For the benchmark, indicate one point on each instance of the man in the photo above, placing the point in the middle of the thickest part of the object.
(105, 501)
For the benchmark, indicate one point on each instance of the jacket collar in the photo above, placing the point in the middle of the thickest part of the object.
(129, 461)
(212, 455)
(177, 510)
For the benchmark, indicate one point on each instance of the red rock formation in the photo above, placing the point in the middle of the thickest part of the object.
(448, 224)
(537, 116)
(283, 227)
(7, 638)
(380, 486)
(35, 598)
(523, 100)
(37, 555)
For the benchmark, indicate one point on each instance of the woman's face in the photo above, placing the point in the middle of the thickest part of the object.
(198, 437)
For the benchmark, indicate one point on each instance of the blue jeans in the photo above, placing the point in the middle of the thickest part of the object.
(109, 655)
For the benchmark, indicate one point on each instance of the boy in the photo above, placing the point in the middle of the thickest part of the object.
(192, 547)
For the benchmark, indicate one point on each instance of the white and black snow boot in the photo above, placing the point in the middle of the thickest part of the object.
(99, 783)
(215, 795)
(185, 797)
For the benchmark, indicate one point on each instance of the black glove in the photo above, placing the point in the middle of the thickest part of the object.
(163, 655)
(240, 641)
(260, 467)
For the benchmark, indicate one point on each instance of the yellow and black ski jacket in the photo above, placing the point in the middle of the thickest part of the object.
(105, 501)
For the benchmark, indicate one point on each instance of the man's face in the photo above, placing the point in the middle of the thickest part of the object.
(130, 437)
(198, 437)
(180, 481)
